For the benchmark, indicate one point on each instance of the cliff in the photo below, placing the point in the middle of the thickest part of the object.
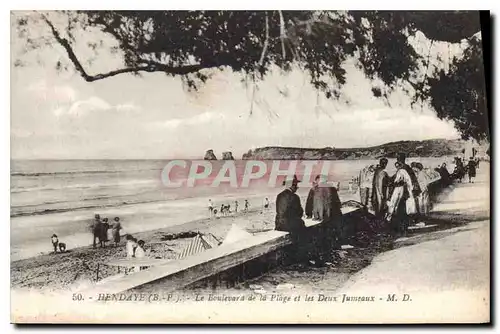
(227, 156)
(425, 148)
(209, 155)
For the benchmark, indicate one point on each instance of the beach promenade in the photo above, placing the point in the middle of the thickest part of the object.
(447, 271)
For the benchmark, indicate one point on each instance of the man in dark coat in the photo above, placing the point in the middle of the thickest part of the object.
(289, 211)
(444, 174)
(380, 189)
(289, 214)
(323, 203)
(471, 170)
(98, 231)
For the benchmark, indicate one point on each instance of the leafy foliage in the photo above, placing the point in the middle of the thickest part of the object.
(459, 94)
(187, 43)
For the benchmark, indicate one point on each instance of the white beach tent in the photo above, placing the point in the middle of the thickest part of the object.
(235, 234)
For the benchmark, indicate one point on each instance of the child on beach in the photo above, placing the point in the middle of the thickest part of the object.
(130, 246)
(266, 203)
(139, 254)
(55, 242)
(139, 251)
(62, 247)
(236, 206)
(210, 207)
(246, 205)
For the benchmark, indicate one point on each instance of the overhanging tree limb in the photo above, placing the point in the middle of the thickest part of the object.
(151, 67)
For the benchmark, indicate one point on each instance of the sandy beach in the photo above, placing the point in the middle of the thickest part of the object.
(79, 264)
(33, 265)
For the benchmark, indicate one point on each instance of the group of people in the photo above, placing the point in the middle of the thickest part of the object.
(400, 198)
(103, 231)
(397, 199)
(461, 169)
(225, 210)
(323, 204)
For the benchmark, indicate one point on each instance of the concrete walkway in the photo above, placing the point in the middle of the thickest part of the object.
(446, 279)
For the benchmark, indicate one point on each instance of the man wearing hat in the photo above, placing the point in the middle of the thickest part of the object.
(289, 214)
(289, 211)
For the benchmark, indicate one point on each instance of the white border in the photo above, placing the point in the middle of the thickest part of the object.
(146, 4)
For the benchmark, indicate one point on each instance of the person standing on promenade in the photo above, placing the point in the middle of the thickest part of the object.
(323, 203)
(397, 215)
(471, 169)
(289, 214)
(366, 184)
(380, 189)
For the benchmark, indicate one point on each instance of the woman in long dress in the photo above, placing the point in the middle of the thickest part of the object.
(423, 181)
(401, 203)
(116, 231)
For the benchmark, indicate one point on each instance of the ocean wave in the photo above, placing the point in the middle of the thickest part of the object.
(81, 172)
(23, 213)
(83, 186)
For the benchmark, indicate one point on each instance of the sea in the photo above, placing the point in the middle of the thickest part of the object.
(62, 196)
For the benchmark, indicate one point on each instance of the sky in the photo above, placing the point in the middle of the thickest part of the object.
(57, 115)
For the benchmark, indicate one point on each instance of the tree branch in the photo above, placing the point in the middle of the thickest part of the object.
(150, 67)
(266, 43)
(282, 34)
(261, 62)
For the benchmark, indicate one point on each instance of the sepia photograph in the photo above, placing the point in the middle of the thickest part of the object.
(250, 167)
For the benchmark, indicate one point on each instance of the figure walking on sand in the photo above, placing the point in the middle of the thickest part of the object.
(266, 204)
(210, 207)
(236, 206)
(96, 230)
(247, 205)
(116, 231)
